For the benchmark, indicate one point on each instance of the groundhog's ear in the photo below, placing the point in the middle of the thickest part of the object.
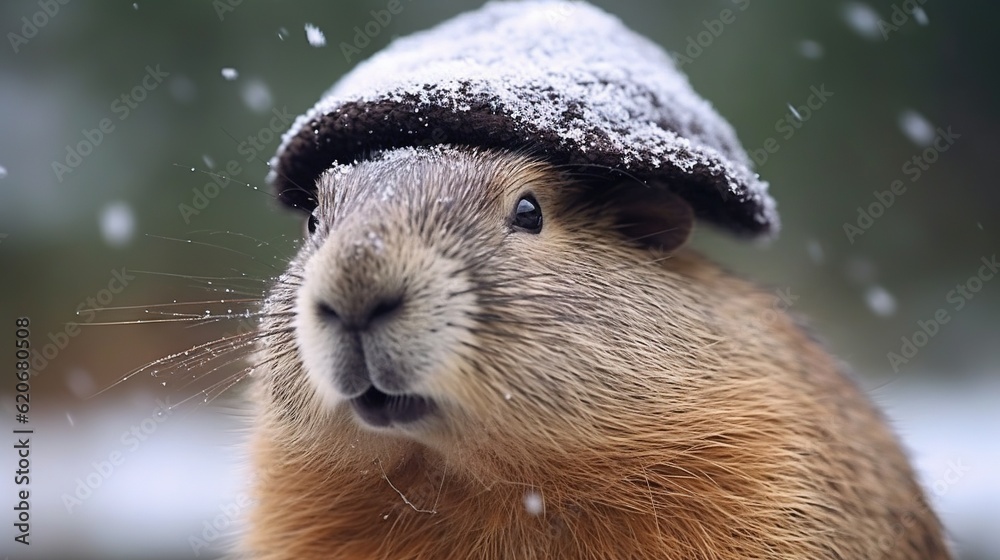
(652, 216)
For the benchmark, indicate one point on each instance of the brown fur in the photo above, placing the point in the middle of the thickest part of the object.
(658, 406)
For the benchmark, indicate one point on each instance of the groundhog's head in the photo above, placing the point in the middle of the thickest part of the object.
(450, 294)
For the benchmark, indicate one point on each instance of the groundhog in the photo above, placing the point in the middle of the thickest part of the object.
(494, 342)
(479, 354)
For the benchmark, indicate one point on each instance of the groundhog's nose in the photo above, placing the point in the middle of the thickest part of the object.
(360, 328)
(359, 314)
(361, 285)
(370, 314)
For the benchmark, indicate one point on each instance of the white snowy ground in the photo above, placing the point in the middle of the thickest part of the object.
(187, 472)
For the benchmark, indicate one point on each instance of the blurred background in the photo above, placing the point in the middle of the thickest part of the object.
(874, 122)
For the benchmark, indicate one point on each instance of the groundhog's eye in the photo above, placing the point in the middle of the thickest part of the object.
(311, 224)
(527, 215)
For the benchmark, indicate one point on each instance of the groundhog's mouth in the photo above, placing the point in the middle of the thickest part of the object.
(381, 409)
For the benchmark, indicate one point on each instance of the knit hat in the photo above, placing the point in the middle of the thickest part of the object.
(563, 80)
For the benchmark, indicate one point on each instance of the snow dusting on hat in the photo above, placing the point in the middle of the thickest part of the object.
(564, 80)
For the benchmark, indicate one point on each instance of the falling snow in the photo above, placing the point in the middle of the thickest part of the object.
(791, 108)
(117, 224)
(81, 384)
(375, 241)
(811, 49)
(533, 503)
(921, 16)
(880, 301)
(230, 73)
(861, 270)
(3, 172)
(182, 88)
(209, 162)
(863, 19)
(815, 251)
(282, 34)
(315, 36)
(916, 127)
(256, 95)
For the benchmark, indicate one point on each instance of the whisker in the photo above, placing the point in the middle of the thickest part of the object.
(198, 377)
(213, 246)
(142, 321)
(264, 191)
(232, 380)
(311, 193)
(170, 358)
(259, 242)
(178, 304)
(196, 277)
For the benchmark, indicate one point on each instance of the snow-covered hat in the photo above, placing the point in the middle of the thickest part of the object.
(563, 79)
